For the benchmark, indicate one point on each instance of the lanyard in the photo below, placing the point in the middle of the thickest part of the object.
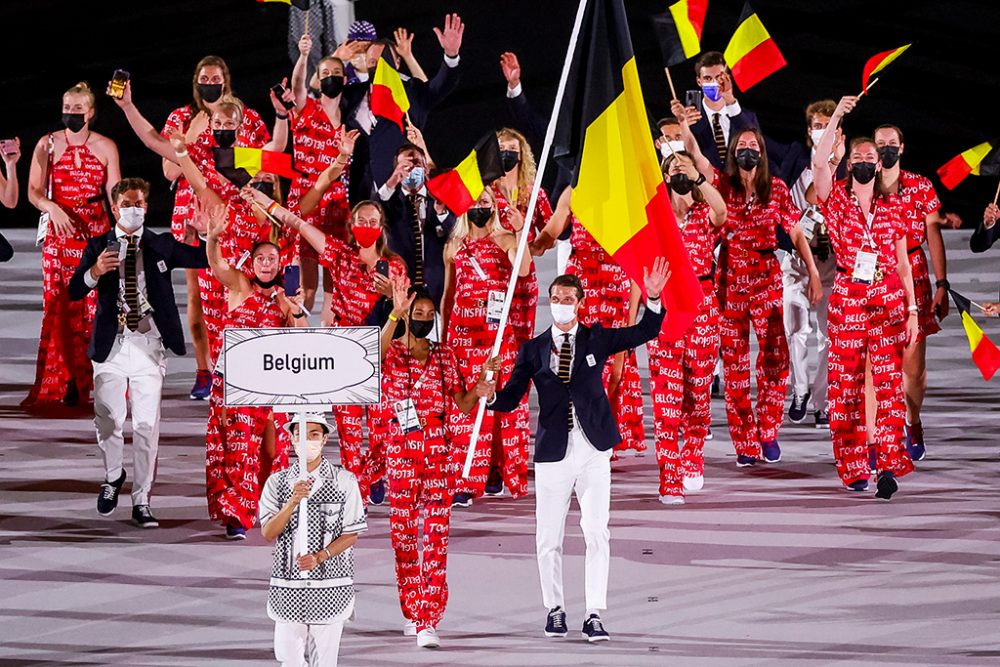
(869, 238)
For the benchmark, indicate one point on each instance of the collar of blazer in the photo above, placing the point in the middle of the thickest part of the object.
(545, 347)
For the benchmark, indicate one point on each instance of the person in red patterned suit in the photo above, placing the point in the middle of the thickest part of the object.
(243, 447)
(680, 371)
(873, 313)
(422, 382)
(750, 294)
(72, 174)
(478, 261)
(923, 218)
(211, 86)
(362, 268)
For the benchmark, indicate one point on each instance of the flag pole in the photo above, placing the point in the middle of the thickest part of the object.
(550, 133)
(670, 80)
(302, 534)
(997, 195)
(868, 87)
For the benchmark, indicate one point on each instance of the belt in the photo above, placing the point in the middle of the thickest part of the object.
(910, 251)
(841, 269)
(707, 276)
(759, 251)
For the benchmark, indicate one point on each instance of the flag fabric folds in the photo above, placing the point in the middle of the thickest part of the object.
(985, 354)
(679, 30)
(240, 164)
(879, 62)
(603, 140)
(389, 99)
(459, 188)
(752, 55)
(301, 4)
(979, 160)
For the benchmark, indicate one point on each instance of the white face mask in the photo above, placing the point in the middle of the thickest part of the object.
(131, 218)
(668, 148)
(562, 313)
(816, 135)
(313, 449)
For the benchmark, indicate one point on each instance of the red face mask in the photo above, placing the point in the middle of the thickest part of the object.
(366, 236)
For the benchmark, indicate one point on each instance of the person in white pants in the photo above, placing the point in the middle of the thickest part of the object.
(135, 323)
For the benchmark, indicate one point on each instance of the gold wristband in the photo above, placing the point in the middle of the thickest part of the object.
(393, 318)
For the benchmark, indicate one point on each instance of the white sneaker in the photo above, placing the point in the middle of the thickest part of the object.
(693, 482)
(410, 629)
(428, 638)
(672, 500)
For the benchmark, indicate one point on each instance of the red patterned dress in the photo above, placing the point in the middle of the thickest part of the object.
(236, 463)
(917, 199)
(243, 230)
(353, 301)
(482, 267)
(866, 321)
(607, 289)
(78, 186)
(525, 302)
(423, 472)
(316, 145)
(680, 372)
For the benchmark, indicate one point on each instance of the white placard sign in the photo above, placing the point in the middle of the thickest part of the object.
(301, 366)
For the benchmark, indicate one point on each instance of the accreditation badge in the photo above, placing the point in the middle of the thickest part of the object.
(865, 267)
(494, 307)
(406, 415)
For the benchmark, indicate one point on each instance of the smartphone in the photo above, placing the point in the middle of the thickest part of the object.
(692, 98)
(8, 146)
(118, 81)
(382, 267)
(292, 280)
(278, 91)
(115, 246)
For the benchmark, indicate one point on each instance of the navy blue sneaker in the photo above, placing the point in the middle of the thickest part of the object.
(376, 492)
(858, 486)
(202, 385)
(236, 533)
(143, 517)
(107, 499)
(461, 500)
(494, 483)
(798, 409)
(555, 623)
(886, 485)
(743, 461)
(771, 451)
(593, 630)
(915, 441)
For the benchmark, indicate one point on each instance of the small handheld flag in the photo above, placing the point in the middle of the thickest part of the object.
(985, 354)
(679, 30)
(389, 99)
(752, 54)
(981, 160)
(301, 4)
(240, 164)
(879, 62)
(459, 188)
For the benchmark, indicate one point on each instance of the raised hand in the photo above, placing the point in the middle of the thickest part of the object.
(177, 140)
(401, 298)
(218, 218)
(305, 45)
(199, 217)
(347, 141)
(126, 98)
(255, 196)
(13, 157)
(845, 106)
(404, 42)
(277, 102)
(656, 279)
(450, 38)
(991, 215)
(106, 261)
(511, 69)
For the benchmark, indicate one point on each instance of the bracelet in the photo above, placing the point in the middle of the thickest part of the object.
(181, 155)
(653, 298)
(270, 207)
(912, 309)
(281, 117)
(393, 318)
(701, 179)
(329, 555)
(943, 283)
(299, 315)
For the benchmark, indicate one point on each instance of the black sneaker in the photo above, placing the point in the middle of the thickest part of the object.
(593, 630)
(107, 499)
(376, 492)
(717, 387)
(494, 483)
(461, 500)
(797, 410)
(555, 623)
(235, 532)
(822, 419)
(142, 517)
(886, 485)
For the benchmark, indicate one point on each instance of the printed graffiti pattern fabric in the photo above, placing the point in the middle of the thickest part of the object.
(334, 509)
(236, 463)
(753, 226)
(213, 310)
(66, 325)
(525, 302)
(253, 134)
(866, 321)
(700, 237)
(316, 144)
(471, 337)
(916, 199)
(607, 289)
(423, 472)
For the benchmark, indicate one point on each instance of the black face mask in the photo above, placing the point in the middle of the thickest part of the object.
(863, 172)
(479, 216)
(681, 183)
(747, 158)
(889, 155)
(263, 186)
(421, 328)
(210, 92)
(225, 138)
(509, 160)
(331, 86)
(269, 283)
(73, 122)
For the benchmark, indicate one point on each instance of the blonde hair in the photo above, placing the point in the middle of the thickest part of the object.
(526, 170)
(83, 88)
(232, 106)
(463, 227)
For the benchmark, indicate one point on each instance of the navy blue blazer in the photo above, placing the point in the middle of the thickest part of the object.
(161, 253)
(399, 230)
(586, 386)
(702, 131)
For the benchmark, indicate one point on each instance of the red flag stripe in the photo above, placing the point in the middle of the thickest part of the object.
(762, 61)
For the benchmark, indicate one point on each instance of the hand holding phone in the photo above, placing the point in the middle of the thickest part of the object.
(115, 246)
(692, 98)
(382, 267)
(278, 91)
(118, 81)
(292, 280)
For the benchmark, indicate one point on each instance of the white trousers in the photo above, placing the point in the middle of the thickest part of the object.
(587, 472)
(802, 319)
(301, 645)
(136, 364)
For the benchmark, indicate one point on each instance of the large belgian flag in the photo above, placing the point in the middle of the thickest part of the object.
(604, 139)
(679, 30)
(752, 54)
(985, 354)
(459, 188)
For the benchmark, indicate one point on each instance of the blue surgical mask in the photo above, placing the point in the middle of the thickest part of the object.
(712, 91)
(414, 179)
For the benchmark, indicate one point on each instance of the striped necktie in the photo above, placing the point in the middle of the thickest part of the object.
(131, 285)
(416, 201)
(565, 362)
(720, 137)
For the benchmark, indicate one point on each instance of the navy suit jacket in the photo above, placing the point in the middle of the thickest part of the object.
(161, 253)
(399, 223)
(702, 131)
(586, 386)
(983, 239)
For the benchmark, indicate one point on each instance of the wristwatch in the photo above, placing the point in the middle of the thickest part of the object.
(943, 283)
(299, 315)
(701, 179)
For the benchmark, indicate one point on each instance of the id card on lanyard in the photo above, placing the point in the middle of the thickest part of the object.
(866, 268)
